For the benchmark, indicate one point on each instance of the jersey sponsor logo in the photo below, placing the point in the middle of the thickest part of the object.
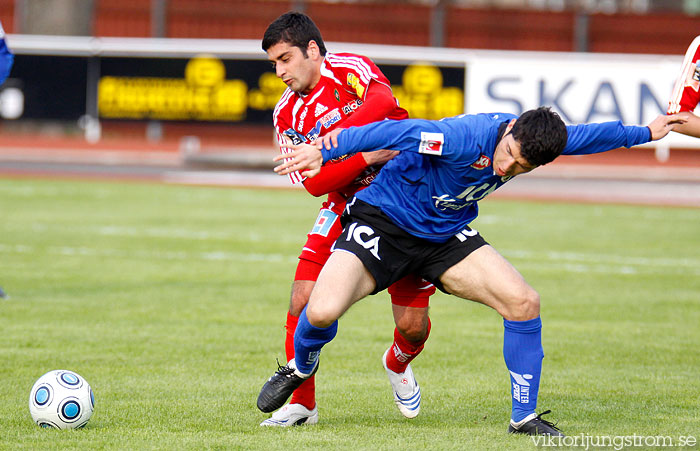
(482, 163)
(367, 176)
(465, 234)
(325, 220)
(352, 106)
(350, 204)
(521, 387)
(446, 201)
(294, 136)
(467, 197)
(320, 109)
(358, 234)
(477, 192)
(337, 96)
(340, 158)
(431, 143)
(314, 132)
(355, 84)
(302, 116)
(331, 118)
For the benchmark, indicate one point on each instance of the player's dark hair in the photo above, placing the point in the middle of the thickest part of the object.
(541, 134)
(296, 29)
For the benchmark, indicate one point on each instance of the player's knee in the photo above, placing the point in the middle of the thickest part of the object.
(413, 332)
(524, 306)
(413, 328)
(320, 316)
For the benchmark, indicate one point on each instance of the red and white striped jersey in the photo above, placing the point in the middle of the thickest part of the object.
(345, 78)
(686, 91)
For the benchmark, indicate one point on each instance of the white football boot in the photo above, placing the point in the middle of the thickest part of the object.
(292, 415)
(406, 390)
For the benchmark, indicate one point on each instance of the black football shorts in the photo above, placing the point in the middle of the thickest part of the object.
(389, 253)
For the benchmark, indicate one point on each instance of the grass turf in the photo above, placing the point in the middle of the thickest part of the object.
(171, 301)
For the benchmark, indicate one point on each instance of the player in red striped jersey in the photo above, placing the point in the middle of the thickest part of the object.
(686, 91)
(327, 91)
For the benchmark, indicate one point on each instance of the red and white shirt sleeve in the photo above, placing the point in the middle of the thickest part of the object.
(354, 71)
(686, 91)
(280, 120)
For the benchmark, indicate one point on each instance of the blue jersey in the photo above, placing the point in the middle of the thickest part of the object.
(431, 188)
(6, 57)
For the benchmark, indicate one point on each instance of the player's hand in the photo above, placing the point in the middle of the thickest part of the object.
(691, 127)
(662, 125)
(304, 158)
(379, 156)
(328, 140)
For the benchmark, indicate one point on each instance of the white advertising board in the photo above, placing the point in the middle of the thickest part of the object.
(580, 87)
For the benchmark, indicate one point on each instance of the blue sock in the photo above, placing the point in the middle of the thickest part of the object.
(308, 341)
(522, 351)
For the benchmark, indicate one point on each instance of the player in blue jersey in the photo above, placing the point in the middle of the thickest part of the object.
(6, 57)
(415, 219)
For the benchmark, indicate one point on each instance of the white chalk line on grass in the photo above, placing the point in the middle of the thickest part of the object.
(602, 263)
(557, 261)
(82, 251)
(578, 257)
(150, 232)
(158, 232)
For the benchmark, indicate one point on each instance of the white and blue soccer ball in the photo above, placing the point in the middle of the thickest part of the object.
(61, 399)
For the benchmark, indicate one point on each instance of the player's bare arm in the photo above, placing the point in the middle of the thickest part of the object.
(692, 125)
(303, 157)
(664, 124)
(379, 156)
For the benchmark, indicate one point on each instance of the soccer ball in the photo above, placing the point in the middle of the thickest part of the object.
(61, 399)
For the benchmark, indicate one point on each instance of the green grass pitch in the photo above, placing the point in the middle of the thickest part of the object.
(171, 301)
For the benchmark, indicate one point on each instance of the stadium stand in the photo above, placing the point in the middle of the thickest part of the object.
(507, 27)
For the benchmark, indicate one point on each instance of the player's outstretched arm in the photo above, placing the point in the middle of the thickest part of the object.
(330, 141)
(691, 127)
(662, 125)
(305, 158)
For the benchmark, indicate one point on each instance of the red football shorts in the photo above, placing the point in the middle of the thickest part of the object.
(319, 240)
(410, 291)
